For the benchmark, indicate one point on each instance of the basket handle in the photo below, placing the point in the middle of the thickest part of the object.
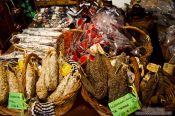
(26, 61)
(137, 29)
(63, 99)
(148, 46)
(77, 30)
(18, 48)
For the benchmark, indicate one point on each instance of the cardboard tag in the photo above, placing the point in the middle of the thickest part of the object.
(93, 49)
(100, 49)
(21, 63)
(66, 69)
(153, 67)
(96, 48)
(16, 101)
(147, 77)
(168, 68)
(124, 105)
(148, 38)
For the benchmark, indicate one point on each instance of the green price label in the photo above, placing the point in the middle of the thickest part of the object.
(16, 101)
(124, 105)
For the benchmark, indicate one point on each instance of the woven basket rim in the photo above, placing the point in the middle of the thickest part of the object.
(148, 45)
(7, 111)
(101, 109)
(61, 100)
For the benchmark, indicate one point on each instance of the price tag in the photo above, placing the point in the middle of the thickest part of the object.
(168, 68)
(153, 67)
(16, 101)
(21, 63)
(66, 69)
(124, 105)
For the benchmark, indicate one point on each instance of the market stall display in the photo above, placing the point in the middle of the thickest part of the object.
(99, 51)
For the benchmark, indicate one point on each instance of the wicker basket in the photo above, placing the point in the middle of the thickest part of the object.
(104, 110)
(101, 109)
(4, 110)
(64, 103)
(147, 45)
(9, 112)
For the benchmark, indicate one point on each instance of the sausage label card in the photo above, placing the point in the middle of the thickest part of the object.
(124, 105)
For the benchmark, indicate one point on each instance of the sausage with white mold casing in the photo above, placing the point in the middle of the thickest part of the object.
(51, 80)
(15, 70)
(12, 81)
(38, 32)
(30, 80)
(70, 84)
(96, 79)
(19, 77)
(60, 89)
(4, 89)
(41, 89)
(26, 38)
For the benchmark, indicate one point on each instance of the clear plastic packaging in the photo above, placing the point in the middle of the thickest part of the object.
(170, 37)
(109, 21)
(163, 10)
(168, 43)
(171, 49)
(158, 5)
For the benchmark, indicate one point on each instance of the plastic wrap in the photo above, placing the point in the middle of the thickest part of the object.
(159, 5)
(42, 33)
(170, 40)
(105, 17)
(164, 10)
(170, 37)
(108, 22)
(105, 28)
(171, 49)
(14, 55)
(168, 44)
